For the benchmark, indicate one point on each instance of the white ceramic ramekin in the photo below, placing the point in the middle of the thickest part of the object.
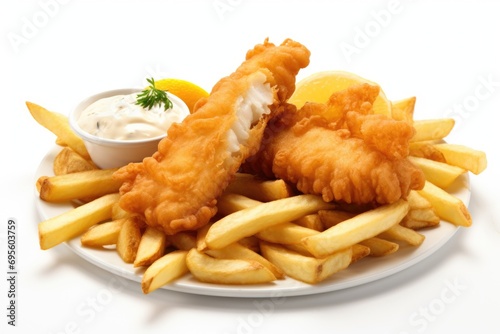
(110, 153)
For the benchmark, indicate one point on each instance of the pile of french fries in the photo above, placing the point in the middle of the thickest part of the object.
(264, 230)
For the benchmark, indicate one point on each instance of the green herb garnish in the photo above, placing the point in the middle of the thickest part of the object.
(152, 96)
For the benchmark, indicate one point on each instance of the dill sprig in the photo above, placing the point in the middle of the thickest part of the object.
(152, 96)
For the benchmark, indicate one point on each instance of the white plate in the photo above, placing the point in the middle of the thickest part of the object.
(359, 273)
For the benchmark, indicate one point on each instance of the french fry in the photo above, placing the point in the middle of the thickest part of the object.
(426, 149)
(299, 248)
(311, 221)
(259, 189)
(70, 224)
(420, 218)
(416, 224)
(380, 247)
(252, 243)
(183, 240)
(439, 173)
(305, 268)
(427, 215)
(151, 247)
(229, 203)
(447, 206)
(86, 184)
(417, 201)
(285, 233)
(128, 240)
(164, 270)
(401, 233)
(352, 231)
(59, 141)
(249, 221)
(432, 129)
(359, 252)
(118, 213)
(58, 124)
(103, 234)
(226, 271)
(201, 234)
(421, 214)
(39, 183)
(237, 251)
(331, 218)
(402, 110)
(465, 157)
(68, 161)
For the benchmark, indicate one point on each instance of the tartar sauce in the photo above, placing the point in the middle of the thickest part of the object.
(119, 117)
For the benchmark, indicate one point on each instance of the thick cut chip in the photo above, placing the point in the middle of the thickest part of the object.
(359, 252)
(439, 173)
(426, 149)
(352, 231)
(421, 214)
(229, 203)
(86, 184)
(118, 213)
(151, 247)
(128, 240)
(401, 233)
(417, 201)
(311, 221)
(331, 218)
(183, 240)
(164, 270)
(227, 271)
(259, 189)
(285, 233)
(402, 110)
(68, 161)
(380, 247)
(464, 157)
(103, 234)
(432, 129)
(447, 206)
(75, 222)
(58, 124)
(238, 251)
(305, 268)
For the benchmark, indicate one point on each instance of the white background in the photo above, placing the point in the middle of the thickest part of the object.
(55, 53)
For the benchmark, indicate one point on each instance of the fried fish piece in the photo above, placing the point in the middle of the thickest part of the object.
(176, 189)
(347, 155)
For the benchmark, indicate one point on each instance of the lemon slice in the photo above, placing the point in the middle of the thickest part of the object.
(187, 91)
(319, 86)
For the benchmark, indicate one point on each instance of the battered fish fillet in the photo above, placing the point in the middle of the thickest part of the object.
(341, 151)
(176, 188)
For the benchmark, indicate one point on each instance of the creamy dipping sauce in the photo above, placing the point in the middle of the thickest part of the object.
(119, 117)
